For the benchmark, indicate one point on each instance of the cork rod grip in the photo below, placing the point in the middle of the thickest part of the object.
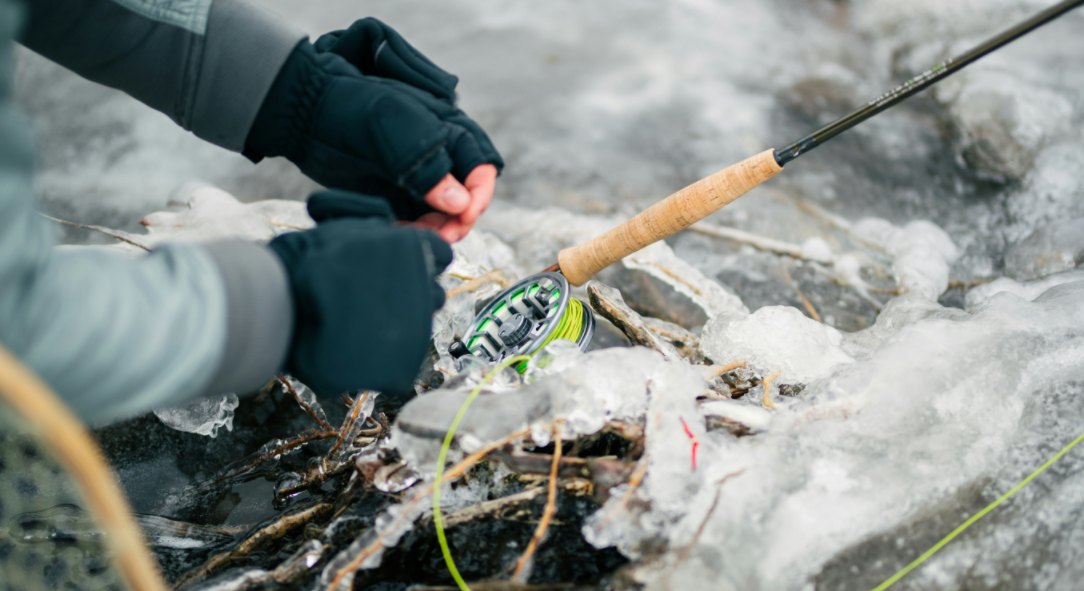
(676, 212)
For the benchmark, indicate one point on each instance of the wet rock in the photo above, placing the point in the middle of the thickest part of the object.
(1048, 250)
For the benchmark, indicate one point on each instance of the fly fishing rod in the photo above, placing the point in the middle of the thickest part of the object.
(704, 197)
(539, 309)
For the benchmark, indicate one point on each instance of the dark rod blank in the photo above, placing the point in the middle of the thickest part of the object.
(920, 82)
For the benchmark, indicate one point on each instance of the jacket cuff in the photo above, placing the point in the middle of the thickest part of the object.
(260, 315)
(244, 50)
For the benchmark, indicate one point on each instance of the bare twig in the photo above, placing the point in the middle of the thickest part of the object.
(779, 247)
(281, 449)
(475, 283)
(635, 480)
(969, 283)
(683, 554)
(609, 303)
(766, 401)
(714, 371)
(304, 405)
(837, 222)
(808, 305)
(114, 234)
(673, 276)
(348, 423)
(522, 572)
(270, 532)
(407, 508)
(491, 507)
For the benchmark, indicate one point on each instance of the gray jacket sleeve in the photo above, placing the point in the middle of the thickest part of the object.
(207, 64)
(116, 334)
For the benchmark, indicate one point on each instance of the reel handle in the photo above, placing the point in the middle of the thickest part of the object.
(677, 212)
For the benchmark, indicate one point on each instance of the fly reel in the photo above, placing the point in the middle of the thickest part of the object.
(526, 317)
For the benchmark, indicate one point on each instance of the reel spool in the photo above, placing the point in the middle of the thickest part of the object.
(526, 317)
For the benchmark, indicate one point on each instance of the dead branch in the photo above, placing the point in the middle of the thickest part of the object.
(683, 553)
(260, 537)
(114, 234)
(522, 572)
(279, 450)
(766, 401)
(492, 507)
(304, 405)
(714, 371)
(609, 303)
(808, 305)
(761, 243)
(635, 481)
(495, 276)
(407, 508)
(348, 423)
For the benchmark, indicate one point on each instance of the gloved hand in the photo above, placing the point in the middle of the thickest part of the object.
(376, 49)
(379, 135)
(364, 295)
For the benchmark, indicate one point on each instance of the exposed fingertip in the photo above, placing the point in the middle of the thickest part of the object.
(449, 196)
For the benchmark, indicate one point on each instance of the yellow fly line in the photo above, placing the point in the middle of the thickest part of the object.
(438, 521)
(903, 572)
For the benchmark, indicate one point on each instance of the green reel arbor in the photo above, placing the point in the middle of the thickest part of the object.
(526, 317)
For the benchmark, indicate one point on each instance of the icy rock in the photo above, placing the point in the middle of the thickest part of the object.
(1006, 124)
(1053, 192)
(923, 253)
(1050, 249)
(776, 338)
(204, 416)
(1028, 290)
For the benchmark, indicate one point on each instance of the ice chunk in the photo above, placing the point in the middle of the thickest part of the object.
(776, 338)
(1029, 290)
(752, 415)
(1050, 249)
(585, 391)
(871, 449)
(923, 253)
(211, 214)
(204, 416)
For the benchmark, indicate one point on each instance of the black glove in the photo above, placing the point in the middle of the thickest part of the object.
(376, 49)
(364, 295)
(369, 134)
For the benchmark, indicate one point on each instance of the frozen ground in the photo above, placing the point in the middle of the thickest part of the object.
(925, 398)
